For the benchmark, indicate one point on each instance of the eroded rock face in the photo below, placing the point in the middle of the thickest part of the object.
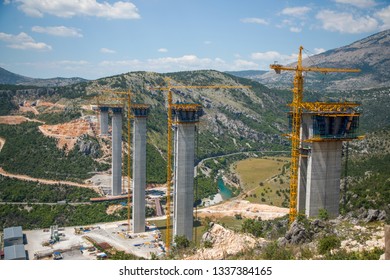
(224, 242)
(297, 234)
(88, 147)
(372, 215)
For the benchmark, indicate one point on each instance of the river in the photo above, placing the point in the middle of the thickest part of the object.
(223, 190)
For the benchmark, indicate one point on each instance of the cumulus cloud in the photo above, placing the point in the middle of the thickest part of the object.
(71, 8)
(23, 41)
(255, 20)
(384, 16)
(295, 29)
(182, 63)
(357, 3)
(295, 11)
(346, 22)
(319, 50)
(61, 31)
(105, 50)
(266, 58)
(162, 50)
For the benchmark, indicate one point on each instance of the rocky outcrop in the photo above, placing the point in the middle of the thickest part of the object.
(372, 215)
(88, 147)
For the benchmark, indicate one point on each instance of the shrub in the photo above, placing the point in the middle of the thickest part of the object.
(328, 243)
(253, 227)
(275, 252)
(181, 242)
(323, 214)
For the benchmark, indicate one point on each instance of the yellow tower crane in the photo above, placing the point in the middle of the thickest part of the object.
(169, 88)
(129, 116)
(297, 107)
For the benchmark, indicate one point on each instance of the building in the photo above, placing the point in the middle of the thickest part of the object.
(15, 252)
(13, 236)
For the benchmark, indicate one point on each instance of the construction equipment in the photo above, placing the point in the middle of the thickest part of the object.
(169, 88)
(297, 107)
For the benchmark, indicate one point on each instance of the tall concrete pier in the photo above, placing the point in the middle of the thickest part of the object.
(185, 118)
(103, 120)
(306, 133)
(140, 113)
(323, 178)
(322, 135)
(116, 186)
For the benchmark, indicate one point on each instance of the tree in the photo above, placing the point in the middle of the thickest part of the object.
(181, 242)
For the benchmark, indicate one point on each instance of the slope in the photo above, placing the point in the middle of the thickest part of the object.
(370, 54)
(235, 119)
(7, 77)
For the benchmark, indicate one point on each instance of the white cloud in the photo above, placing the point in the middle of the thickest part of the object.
(295, 11)
(384, 16)
(6, 2)
(240, 64)
(358, 3)
(72, 62)
(346, 23)
(61, 31)
(162, 50)
(319, 50)
(295, 29)
(105, 50)
(265, 58)
(255, 20)
(23, 41)
(71, 8)
(171, 64)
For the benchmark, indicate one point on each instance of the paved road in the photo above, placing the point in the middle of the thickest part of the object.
(238, 153)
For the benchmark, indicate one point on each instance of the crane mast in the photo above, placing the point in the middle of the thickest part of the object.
(168, 88)
(297, 107)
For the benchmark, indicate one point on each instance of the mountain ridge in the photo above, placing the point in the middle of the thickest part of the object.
(370, 54)
(8, 77)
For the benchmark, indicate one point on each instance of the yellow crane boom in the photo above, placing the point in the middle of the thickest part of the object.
(296, 121)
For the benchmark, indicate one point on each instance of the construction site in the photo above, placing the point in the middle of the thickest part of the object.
(318, 130)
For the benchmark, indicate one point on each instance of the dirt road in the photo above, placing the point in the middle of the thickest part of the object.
(2, 142)
(46, 181)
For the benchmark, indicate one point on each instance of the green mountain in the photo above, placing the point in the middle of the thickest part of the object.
(241, 119)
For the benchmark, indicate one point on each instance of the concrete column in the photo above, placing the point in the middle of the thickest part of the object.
(139, 172)
(184, 179)
(302, 176)
(387, 242)
(116, 187)
(323, 178)
(306, 132)
(103, 121)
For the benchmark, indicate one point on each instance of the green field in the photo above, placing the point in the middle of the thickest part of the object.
(264, 180)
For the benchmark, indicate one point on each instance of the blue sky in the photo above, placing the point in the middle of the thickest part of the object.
(96, 38)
